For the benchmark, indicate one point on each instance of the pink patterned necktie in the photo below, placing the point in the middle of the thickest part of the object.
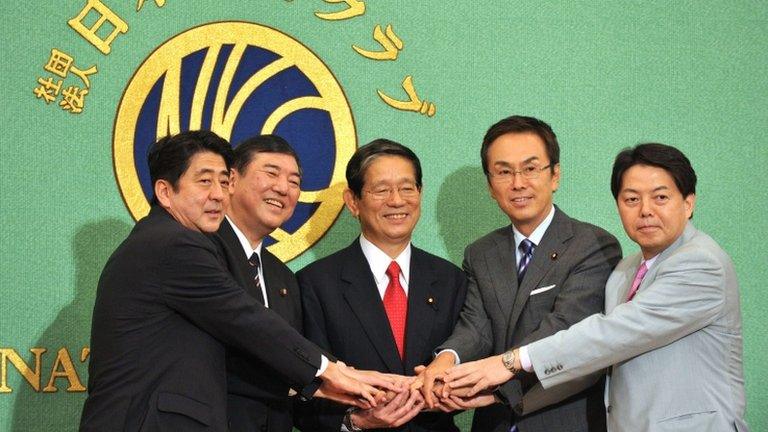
(638, 278)
(396, 306)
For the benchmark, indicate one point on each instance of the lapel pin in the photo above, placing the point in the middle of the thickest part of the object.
(283, 292)
(553, 256)
(430, 301)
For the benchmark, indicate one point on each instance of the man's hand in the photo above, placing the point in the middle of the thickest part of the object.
(465, 403)
(478, 375)
(399, 410)
(339, 386)
(435, 371)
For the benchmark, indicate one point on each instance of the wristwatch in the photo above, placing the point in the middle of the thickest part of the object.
(508, 358)
(347, 422)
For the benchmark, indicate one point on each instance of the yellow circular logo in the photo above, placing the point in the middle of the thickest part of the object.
(241, 79)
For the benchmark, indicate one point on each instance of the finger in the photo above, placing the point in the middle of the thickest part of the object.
(458, 371)
(465, 381)
(419, 369)
(409, 415)
(480, 386)
(459, 403)
(449, 404)
(426, 389)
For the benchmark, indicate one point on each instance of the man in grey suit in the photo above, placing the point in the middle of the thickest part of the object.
(671, 334)
(541, 274)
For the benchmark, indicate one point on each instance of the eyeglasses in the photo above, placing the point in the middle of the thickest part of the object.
(506, 175)
(405, 191)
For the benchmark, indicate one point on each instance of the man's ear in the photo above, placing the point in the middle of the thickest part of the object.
(234, 177)
(163, 190)
(351, 201)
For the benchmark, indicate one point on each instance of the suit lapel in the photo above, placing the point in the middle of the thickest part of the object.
(238, 262)
(688, 232)
(624, 282)
(359, 290)
(558, 232)
(423, 304)
(502, 268)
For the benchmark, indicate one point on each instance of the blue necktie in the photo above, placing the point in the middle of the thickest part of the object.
(526, 247)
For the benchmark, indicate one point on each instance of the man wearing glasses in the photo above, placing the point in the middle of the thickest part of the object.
(381, 303)
(541, 274)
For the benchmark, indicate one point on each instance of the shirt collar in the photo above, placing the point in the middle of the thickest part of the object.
(378, 261)
(649, 262)
(244, 242)
(538, 233)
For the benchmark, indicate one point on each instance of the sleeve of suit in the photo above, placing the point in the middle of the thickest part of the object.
(471, 337)
(316, 414)
(582, 295)
(197, 286)
(685, 296)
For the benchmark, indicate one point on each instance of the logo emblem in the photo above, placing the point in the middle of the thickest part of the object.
(241, 79)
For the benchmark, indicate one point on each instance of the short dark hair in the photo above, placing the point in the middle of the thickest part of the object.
(366, 154)
(658, 155)
(522, 124)
(247, 149)
(169, 157)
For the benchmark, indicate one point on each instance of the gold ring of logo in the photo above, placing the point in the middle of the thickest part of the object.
(166, 60)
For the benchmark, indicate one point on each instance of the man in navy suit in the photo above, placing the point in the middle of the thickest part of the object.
(264, 189)
(381, 303)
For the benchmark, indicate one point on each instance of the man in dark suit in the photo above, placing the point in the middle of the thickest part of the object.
(264, 190)
(166, 305)
(381, 303)
(543, 273)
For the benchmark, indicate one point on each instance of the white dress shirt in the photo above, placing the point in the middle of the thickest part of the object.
(379, 261)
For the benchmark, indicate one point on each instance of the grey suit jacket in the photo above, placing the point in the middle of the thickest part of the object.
(564, 283)
(675, 350)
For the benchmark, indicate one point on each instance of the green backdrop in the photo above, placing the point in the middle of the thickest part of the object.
(605, 75)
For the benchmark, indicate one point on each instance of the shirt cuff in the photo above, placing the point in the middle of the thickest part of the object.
(323, 365)
(456, 359)
(525, 360)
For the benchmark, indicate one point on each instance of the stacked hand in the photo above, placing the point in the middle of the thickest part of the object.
(363, 389)
(400, 407)
(450, 387)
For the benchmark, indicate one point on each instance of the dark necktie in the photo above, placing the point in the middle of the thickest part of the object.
(526, 247)
(396, 306)
(255, 264)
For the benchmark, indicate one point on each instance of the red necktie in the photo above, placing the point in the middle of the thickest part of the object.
(396, 306)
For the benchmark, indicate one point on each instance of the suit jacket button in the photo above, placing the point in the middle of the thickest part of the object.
(283, 292)
(608, 410)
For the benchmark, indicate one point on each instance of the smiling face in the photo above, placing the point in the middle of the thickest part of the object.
(389, 205)
(526, 201)
(198, 201)
(265, 195)
(652, 209)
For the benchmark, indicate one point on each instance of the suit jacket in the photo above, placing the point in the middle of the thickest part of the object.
(564, 283)
(674, 351)
(165, 308)
(344, 313)
(257, 397)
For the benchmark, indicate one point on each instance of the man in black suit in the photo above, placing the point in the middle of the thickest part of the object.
(381, 303)
(263, 192)
(542, 273)
(166, 305)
